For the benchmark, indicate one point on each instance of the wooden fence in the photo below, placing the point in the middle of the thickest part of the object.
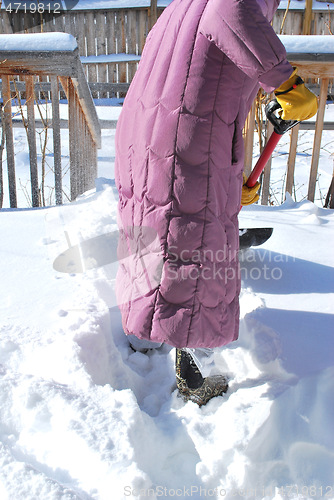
(60, 67)
(103, 32)
(98, 33)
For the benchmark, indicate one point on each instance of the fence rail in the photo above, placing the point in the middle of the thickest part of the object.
(101, 32)
(61, 68)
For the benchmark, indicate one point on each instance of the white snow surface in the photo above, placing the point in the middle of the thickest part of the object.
(82, 416)
(300, 5)
(308, 44)
(38, 42)
(110, 58)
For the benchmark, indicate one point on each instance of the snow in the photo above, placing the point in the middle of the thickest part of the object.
(84, 417)
(110, 58)
(308, 44)
(89, 4)
(300, 5)
(103, 4)
(38, 42)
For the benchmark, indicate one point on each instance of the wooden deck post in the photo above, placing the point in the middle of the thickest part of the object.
(73, 139)
(319, 125)
(153, 14)
(9, 140)
(56, 140)
(292, 159)
(31, 133)
(329, 202)
(266, 173)
(307, 18)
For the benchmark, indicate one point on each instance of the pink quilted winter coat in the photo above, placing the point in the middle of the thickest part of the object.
(179, 163)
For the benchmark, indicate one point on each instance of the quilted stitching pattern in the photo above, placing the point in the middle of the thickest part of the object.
(179, 162)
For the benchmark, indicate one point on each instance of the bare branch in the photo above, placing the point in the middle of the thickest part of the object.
(284, 17)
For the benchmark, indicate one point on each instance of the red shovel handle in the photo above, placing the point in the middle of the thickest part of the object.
(262, 161)
(280, 127)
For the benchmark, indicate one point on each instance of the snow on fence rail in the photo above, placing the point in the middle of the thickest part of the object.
(35, 56)
(99, 33)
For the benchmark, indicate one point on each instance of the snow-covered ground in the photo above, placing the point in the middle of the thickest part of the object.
(84, 417)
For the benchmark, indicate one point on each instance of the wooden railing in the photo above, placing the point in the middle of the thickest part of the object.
(59, 67)
(315, 64)
(65, 68)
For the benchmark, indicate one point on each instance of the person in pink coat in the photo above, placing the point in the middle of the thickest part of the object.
(179, 173)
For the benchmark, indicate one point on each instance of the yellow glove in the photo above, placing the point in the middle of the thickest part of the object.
(298, 103)
(249, 195)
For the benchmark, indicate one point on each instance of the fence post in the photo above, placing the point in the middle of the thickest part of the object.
(329, 202)
(9, 140)
(153, 14)
(2, 147)
(31, 134)
(74, 140)
(56, 140)
(319, 125)
(307, 18)
(265, 197)
(292, 159)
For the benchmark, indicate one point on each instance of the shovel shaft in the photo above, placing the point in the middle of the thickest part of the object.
(264, 157)
(280, 127)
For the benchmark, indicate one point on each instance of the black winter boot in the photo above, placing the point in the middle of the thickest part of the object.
(190, 383)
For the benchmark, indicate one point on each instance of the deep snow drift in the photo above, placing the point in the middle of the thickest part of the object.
(84, 417)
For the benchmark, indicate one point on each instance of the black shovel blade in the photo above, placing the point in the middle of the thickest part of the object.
(254, 237)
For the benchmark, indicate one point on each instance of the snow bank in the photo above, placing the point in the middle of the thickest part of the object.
(84, 417)
(110, 58)
(308, 44)
(38, 42)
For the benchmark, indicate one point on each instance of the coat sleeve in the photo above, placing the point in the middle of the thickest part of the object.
(242, 32)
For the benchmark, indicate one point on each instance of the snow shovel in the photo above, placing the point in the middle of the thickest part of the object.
(256, 236)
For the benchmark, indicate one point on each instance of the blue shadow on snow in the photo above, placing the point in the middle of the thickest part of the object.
(275, 273)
